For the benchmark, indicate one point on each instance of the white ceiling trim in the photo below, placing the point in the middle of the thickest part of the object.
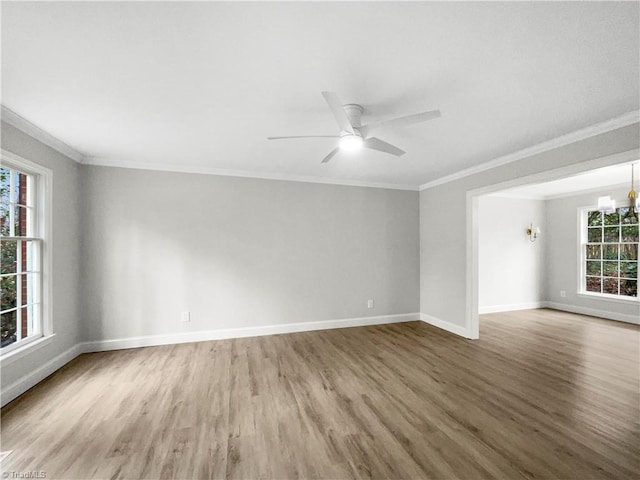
(15, 120)
(601, 189)
(576, 193)
(582, 134)
(170, 167)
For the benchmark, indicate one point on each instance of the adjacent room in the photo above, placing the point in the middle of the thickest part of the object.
(323, 240)
(544, 244)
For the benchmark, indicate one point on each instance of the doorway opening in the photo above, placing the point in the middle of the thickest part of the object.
(577, 180)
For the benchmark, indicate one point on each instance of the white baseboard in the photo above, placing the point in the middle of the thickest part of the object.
(19, 387)
(448, 326)
(510, 307)
(203, 336)
(620, 317)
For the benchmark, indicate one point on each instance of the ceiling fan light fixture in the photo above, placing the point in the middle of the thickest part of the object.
(355, 136)
(351, 143)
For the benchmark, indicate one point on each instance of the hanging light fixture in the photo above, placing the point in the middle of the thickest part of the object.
(606, 204)
(634, 201)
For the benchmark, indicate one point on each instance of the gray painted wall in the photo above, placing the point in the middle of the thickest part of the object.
(66, 234)
(240, 252)
(561, 265)
(443, 239)
(510, 265)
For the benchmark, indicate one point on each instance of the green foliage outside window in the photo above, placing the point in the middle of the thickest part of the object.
(8, 254)
(611, 256)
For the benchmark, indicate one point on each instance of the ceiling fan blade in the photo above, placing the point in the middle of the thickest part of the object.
(374, 143)
(338, 111)
(304, 136)
(405, 121)
(330, 155)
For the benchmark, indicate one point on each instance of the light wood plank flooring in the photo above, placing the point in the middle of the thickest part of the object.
(542, 394)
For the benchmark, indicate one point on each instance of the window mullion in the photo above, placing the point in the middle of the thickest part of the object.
(602, 247)
(19, 291)
(619, 249)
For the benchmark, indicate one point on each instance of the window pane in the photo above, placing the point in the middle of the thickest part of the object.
(629, 288)
(626, 217)
(593, 251)
(8, 328)
(594, 235)
(8, 251)
(28, 325)
(32, 315)
(8, 293)
(20, 192)
(4, 219)
(629, 251)
(22, 324)
(611, 234)
(4, 201)
(629, 269)
(623, 211)
(630, 233)
(27, 251)
(612, 219)
(594, 268)
(594, 219)
(594, 284)
(21, 226)
(4, 184)
(610, 269)
(29, 261)
(610, 252)
(27, 296)
(610, 285)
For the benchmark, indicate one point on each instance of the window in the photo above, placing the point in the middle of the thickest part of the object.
(610, 253)
(22, 245)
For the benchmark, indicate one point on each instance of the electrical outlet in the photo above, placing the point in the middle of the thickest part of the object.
(185, 317)
(563, 293)
(369, 303)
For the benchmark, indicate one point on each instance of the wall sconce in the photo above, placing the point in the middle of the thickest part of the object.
(533, 232)
(606, 204)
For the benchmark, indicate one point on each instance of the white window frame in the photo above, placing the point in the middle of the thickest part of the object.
(582, 274)
(42, 225)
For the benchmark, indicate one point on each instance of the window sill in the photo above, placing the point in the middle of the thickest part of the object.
(610, 298)
(18, 353)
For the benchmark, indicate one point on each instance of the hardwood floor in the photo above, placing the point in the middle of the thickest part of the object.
(542, 394)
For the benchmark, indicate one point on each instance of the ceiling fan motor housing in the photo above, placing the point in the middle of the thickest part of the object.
(354, 112)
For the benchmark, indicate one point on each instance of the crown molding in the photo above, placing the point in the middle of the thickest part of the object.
(618, 122)
(601, 189)
(181, 168)
(554, 196)
(15, 120)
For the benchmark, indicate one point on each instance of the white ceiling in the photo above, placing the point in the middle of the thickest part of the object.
(593, 180)
(201, 85)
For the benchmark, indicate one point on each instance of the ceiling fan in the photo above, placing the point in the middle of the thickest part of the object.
(353, 135)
